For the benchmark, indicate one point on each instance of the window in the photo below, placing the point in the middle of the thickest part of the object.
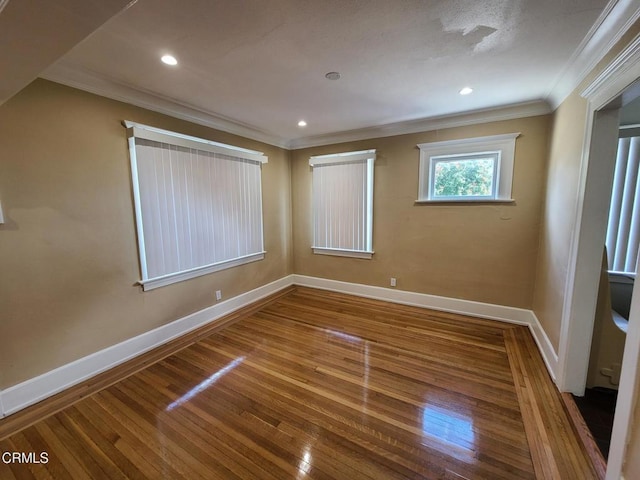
(343, 204)
(472, 169)
(198, 205)
(623, 231)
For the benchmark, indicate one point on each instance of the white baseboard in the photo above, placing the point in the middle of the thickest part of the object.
(518, 316)
(545, 346)
(38, 388)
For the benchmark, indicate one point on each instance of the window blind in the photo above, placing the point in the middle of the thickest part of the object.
(623, 231)
(343, 203)
(198, 205)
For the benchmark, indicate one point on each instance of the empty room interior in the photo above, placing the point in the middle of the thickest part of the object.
(341, 239)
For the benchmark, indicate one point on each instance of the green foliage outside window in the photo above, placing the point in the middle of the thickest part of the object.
(464, 178)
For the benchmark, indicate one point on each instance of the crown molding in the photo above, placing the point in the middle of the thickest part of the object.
(617, 17)
(71, 75)
(620, 73)
(76, 77)
(614, 21)
(510, 112)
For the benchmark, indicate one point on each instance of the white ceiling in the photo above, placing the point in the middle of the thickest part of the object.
(256, 67)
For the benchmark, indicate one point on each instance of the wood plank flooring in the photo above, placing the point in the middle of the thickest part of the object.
(320, 385)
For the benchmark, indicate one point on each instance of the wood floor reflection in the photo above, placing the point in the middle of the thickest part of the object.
(319, 385)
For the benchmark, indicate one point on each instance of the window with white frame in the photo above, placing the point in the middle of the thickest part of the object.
(468, 170)
(343, 204)
(623, 230)
(198, 204)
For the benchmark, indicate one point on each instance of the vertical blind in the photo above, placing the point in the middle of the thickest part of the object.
(343, 203)
(198, 205)
(623, 231)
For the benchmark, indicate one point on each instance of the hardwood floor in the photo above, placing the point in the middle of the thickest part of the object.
(322, 385)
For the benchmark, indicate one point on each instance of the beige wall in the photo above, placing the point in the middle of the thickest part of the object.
(561, 197)
(68, 254)
(485, 252)
(68, 248)
(558, 220)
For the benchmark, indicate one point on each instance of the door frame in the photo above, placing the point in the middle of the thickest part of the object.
(604, 95)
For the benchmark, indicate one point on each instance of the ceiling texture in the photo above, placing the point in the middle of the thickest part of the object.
(257, 67)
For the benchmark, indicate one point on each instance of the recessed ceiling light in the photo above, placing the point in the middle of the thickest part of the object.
(332, 75)
(302, 123)
(466, 91)
(169, 60)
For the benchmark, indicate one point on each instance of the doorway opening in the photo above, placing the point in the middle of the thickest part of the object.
(616, 88)
(617, 278)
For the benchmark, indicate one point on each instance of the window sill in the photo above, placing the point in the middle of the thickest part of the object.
(158, 282)
(488, 201)
(342, 253)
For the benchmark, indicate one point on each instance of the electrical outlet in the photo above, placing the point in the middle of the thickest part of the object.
(218, 294)
(393, 282)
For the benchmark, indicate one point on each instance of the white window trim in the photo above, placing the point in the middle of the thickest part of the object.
(336, 252)
(197, 272)
(348, 157)
(505, 144)
(136, 130)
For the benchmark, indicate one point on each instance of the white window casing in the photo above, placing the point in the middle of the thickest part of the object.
(198, 205)
(499, 148)
(343, 204)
